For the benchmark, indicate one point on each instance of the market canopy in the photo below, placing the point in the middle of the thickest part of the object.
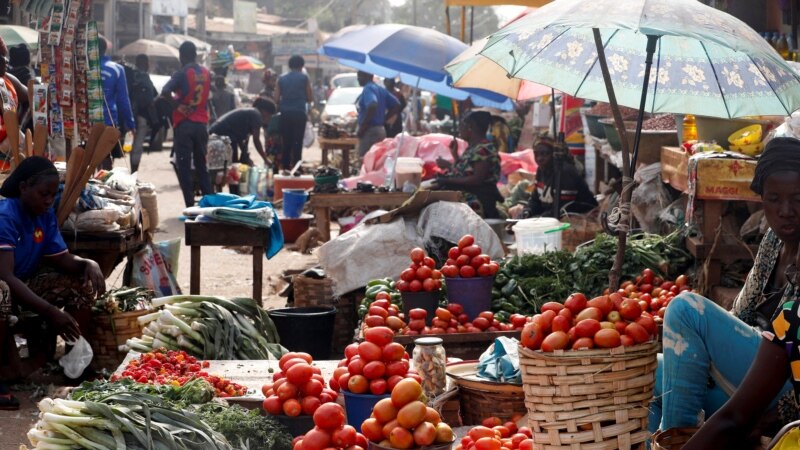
(153, 49)
(15, 35)
(175, 40)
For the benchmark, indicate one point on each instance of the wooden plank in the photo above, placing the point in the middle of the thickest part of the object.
(350, 199)
(194, 271)
(258, 262)
(323, 219)
(198, 233)
(699, 250)
(337, 143)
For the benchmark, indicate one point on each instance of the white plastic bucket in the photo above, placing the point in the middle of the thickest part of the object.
(538, 235)
(408, 170)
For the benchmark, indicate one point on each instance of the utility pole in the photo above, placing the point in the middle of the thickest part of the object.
(141, 19)
(414, 11)
(200, 19)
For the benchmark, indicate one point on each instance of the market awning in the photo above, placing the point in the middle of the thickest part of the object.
(495, 2)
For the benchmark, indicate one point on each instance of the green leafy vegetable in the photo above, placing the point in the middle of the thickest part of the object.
(245, 429)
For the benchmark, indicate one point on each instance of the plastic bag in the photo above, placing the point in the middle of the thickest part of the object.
(500, 362)
(308, 135)
(77, 359)
(155, 266)
(649, 198)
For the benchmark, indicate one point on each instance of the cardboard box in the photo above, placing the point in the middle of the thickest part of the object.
(717, 178)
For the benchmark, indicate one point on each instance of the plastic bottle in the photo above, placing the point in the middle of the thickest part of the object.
(773, 41)
(689, 128)
(783, 46)
(127, 146)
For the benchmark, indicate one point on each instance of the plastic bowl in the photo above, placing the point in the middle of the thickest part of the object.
(748, 135)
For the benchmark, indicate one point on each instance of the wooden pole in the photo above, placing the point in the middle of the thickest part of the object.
(463, 23)
(447, 20)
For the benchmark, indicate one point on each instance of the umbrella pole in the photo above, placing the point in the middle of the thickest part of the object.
(648, 64)
(623, 225)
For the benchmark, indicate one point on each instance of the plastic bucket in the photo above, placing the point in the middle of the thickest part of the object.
(307, 330)
(408, 170)
(293, 202)
(539, 235)
(428, 301)
(359, 406)
(474, 294)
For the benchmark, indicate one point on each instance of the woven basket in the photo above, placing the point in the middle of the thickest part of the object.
(108, 332)
(589, 399)
(480, 398)
(319, 292)
(673, 439)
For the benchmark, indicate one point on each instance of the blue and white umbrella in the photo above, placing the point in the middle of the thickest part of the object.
(416, 55)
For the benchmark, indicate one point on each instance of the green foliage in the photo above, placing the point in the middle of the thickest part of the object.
(245, 429)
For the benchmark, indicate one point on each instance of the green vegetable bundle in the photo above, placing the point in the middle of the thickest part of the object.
(209, 328)
(245, 429)
(375, 287)
(124, 299)
(120, 421)
(194, 392)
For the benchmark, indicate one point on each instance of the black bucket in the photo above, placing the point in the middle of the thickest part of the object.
(307, 330)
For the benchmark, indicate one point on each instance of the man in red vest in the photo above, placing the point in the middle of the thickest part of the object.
(189, 88)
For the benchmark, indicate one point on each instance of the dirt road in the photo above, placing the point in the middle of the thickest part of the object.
(224, 272)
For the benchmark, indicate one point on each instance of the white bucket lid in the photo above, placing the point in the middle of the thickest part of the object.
(410, 161)
(537, 225)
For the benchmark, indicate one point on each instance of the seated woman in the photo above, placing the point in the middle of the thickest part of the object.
(476, 171)
(575, 194)
(29, 239)
(707, 348)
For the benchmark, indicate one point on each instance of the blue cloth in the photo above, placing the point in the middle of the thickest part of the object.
(274, 243)
(115, 89)
(697, 334)
(29, 237)
(293, 91)
(373, 93)
(502, 363)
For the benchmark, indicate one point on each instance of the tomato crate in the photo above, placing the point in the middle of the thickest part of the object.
(466, 346)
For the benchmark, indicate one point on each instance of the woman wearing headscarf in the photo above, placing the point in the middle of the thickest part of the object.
(475, 173)
(575, 195)
(708, 350)
(37, 273)
(12, 93)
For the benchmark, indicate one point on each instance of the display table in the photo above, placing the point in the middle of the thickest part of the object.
(718, 180)
(321, 204)
(343, 144)
(199, 234)
(108, 248)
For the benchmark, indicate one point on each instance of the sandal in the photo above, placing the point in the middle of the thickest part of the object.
(8, 402)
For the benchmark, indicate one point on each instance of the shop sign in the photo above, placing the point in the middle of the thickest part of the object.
(294, 44)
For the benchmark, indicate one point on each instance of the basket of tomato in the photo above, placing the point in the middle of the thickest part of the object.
(469, 276)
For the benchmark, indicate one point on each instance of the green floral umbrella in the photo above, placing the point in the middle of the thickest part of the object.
(677, 56)
(15, 34)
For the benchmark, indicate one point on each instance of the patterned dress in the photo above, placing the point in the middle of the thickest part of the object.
(465, 166)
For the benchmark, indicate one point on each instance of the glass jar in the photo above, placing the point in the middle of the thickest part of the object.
(430, 361)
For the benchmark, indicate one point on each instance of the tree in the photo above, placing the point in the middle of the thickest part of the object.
(431, 14)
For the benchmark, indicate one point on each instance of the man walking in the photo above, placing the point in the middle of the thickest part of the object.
(117, 103)
(142, 93)
(375, 105)
(222, 98)
(190, 87)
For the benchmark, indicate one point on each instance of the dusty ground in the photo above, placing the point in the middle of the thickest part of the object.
(224, 272)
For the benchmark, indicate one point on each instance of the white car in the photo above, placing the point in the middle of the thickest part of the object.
(341, 104)
(349, 80)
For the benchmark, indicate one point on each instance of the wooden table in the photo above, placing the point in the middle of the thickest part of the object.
(343, 144)
(322, 204)
(199, 234)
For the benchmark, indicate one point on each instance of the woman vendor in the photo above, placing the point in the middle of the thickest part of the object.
(575, 194)
(37, 272)
(707, 349)
(12, 94)
(477, 170)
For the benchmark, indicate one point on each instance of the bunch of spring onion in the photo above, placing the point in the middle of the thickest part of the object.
(209, 328)
(120, 421)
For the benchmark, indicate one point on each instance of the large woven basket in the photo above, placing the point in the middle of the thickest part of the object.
(319, 292)
(589, 399)
(107, 333)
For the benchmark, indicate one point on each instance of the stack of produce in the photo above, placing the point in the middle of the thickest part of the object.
(654, 293)
(467, 260)
(404, 421)
(452, 320)
(330, 432)
(607, 321)
(491, 435)
(175, 368)
(297, 389)
(421, 274)
(380, 289)
(124, 299)
(374, 366)
(212, 328)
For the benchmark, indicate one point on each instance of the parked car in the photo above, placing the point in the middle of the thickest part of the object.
(341, 103)
(349, 80)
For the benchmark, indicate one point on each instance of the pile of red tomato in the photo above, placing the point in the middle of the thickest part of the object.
(330, 432)
(297, 389)
(421, 274)
(164, 366)
(467, 260)
(452, 319)
(495, 435)
(403, 421)
(606, 321)
(653, 292)
(374, 366)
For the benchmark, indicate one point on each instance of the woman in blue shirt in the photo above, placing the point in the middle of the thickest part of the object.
(29, 240)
